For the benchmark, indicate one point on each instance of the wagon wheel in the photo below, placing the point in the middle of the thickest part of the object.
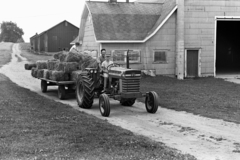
(104, 105)
(151, 102)
(43, 86)
(85, 91)
(61, 92)
(127, 101)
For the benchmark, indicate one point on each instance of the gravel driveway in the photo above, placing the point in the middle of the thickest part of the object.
(204, 138)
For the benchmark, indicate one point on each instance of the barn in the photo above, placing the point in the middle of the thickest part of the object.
(33, 42)
(55, 38)
(181, 38)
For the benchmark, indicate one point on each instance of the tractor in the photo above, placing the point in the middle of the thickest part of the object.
(123, 85)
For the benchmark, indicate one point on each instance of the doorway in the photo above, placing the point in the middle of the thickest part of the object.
(192, 63)
(228, 47)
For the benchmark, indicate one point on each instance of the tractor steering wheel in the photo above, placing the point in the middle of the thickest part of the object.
(113, 65)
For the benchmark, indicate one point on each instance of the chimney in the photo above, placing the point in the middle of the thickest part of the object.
(112, 1)
(127, 1)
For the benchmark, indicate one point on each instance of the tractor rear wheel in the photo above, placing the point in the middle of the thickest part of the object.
(84, 91)
(104, 105)
(43, 86)
(127, 101)
(151, 102)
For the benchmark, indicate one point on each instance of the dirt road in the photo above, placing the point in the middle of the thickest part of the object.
(204, 138)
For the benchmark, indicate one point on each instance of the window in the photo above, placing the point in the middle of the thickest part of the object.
(66, 24)
(120, 56)
(160, 56)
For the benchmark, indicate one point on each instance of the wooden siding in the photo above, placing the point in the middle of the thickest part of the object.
(89, 41)
(200, 27)
(60, 37)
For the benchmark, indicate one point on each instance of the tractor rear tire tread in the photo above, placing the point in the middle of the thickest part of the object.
(86, 100)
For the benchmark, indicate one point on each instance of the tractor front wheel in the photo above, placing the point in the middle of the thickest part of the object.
(151, 102)
(104, 105)
(85, 91)
(127, 101)
(43, 86)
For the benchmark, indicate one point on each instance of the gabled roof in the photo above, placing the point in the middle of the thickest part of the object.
(34, 36)
(56, 26)
(127, 22)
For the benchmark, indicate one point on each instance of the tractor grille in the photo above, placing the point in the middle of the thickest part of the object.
(131, 84)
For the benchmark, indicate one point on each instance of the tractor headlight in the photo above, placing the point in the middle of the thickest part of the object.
(95, 71)
(91, 71)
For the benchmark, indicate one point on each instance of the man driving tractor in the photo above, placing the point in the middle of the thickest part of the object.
(105, 65)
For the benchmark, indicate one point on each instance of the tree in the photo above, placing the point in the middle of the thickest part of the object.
(10, 32)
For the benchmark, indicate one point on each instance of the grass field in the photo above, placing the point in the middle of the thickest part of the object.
(25, 48)
(5, 56)
(209, 97)
(34, 127)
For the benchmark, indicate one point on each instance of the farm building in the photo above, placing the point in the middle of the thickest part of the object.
(33, 42)
(56, 38)
(182, 38)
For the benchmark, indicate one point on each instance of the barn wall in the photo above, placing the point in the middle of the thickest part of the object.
(89, 41)
(200, 27)
(165, 40)
(60, 36)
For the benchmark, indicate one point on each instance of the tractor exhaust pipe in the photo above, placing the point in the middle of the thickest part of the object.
(127, 65)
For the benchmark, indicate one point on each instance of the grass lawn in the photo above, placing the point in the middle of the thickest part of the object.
(5, 56)
(25, 52)
(209, 97)
(34, 127)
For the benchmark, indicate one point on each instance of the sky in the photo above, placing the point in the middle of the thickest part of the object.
(36, 16)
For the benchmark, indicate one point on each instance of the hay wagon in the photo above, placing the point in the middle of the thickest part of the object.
(62, 85)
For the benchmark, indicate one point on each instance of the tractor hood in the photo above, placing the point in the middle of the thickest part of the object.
(124, 71)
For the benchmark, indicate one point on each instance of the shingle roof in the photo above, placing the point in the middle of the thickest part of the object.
(123, 21)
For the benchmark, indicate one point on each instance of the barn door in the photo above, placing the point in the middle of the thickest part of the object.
(192, 64)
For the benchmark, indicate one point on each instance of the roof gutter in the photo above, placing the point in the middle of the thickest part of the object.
(140, 41)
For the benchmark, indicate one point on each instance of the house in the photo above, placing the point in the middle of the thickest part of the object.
(182, 38)
(55, 38)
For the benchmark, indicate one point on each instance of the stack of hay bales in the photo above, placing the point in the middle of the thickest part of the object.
(29, 66)
(64, 67)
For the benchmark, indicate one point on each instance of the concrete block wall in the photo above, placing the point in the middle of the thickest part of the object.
(164, 39)
(200, 27)
(89, 41)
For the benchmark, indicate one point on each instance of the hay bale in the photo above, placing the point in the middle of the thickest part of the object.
(57, 55)
(29, 66)
(74, 57)
(74, 76)
(89, 62)
(46, 73)
(52, 64)
(67, 67)
(40, 73)
(62, 57)
(59, 76)
(41, 64)
(34, 72)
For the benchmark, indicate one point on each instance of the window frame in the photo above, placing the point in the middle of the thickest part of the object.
(125, 56)
(160, 61)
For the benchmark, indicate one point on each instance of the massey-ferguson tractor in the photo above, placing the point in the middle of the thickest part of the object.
(123, 85)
